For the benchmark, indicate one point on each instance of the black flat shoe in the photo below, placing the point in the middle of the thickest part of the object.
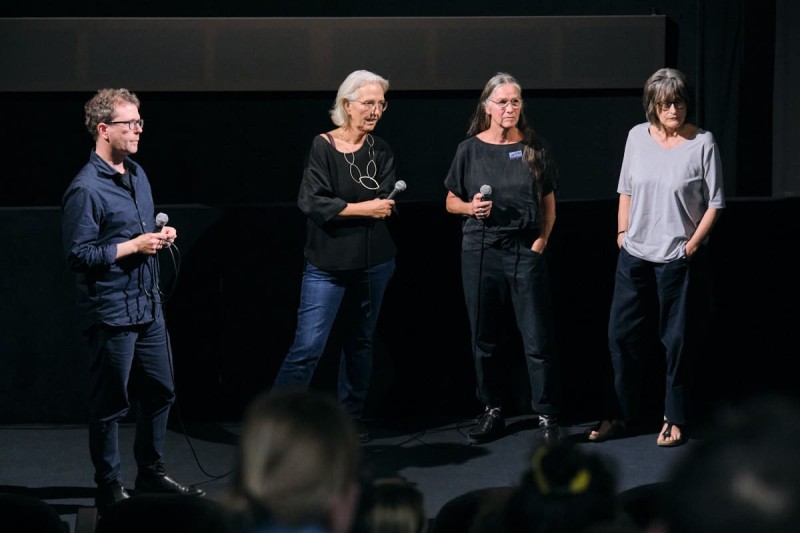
(550, 435)
(548, 428)
(491, 425)
(363, 432)
(161, 483)
(109, 494)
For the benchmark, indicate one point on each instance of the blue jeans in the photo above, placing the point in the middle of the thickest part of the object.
(114, 354)
(358, 295)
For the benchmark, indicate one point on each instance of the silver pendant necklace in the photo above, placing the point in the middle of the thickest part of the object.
(367, 181)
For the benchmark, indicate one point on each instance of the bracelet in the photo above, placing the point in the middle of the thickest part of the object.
(621, 232)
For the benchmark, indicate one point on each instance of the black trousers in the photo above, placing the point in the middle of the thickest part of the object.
(512, 275)
(115, 354)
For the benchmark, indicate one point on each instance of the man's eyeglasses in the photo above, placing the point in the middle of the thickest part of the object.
(371, 105)
(666, 104)
(516, 103)
(131, 123)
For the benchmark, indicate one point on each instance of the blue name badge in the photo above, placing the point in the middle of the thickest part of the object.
(515, 155)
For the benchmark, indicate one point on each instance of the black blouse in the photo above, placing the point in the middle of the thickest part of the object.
(329, 184)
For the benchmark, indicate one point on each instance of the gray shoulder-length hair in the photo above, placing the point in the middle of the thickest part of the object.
(664, 84)
(347, 92)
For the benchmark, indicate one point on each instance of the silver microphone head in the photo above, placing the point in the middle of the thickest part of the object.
(486, 190)
(161, 221)
(400, 185)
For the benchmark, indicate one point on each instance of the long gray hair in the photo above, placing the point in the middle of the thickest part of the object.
(535, 154)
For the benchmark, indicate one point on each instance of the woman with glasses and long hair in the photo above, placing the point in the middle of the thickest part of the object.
(502, 182)
(670, 196)
(349, 251)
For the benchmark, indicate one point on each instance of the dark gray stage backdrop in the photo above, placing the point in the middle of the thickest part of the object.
(232, 97)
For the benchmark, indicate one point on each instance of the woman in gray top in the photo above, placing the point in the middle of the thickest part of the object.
(670, 196)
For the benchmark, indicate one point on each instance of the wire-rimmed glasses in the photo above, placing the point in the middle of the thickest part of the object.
(515, 103)
(383, 104)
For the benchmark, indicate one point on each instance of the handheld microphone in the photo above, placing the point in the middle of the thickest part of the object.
(161, 221)
(400, 186)
(486, 192)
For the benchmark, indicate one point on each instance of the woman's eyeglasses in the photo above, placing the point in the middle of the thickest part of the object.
(666, 104)
(516, 103)
(371, 105)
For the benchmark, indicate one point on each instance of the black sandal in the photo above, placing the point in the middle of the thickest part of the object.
(667, 434)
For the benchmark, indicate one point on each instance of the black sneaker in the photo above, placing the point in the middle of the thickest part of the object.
(109, 494)
(491, 425)
(363, 432)
(548, 425)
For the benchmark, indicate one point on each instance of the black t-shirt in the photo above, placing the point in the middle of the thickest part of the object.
(515, 210)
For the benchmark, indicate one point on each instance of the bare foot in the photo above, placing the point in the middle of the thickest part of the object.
(608, 429)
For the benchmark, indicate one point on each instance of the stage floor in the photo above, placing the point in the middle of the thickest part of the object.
(52, 462)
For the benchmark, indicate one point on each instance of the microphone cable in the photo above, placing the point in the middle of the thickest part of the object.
(175, 256)
(479, 298)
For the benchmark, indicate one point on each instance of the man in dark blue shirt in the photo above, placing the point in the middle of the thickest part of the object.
(111, 239)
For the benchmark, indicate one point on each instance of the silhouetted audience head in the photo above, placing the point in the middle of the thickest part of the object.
(165, 513)
(24, 512)
(563, 490)
(299, 463)
(392, 505)
(477, 510)
(744, 476)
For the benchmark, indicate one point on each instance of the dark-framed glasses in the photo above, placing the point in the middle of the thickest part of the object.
(131, 123)
(382, 105)
(516, 103)
(666, 104)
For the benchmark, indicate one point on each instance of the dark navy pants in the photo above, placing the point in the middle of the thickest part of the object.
(118, 355)
(515, 275)
(665, 287)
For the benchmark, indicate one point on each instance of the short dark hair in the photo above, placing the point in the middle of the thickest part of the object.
(564, 489)
(102, 106)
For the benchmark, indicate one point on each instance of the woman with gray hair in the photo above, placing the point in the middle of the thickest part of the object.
(670, 196)
(502, 182)
(349, 251)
